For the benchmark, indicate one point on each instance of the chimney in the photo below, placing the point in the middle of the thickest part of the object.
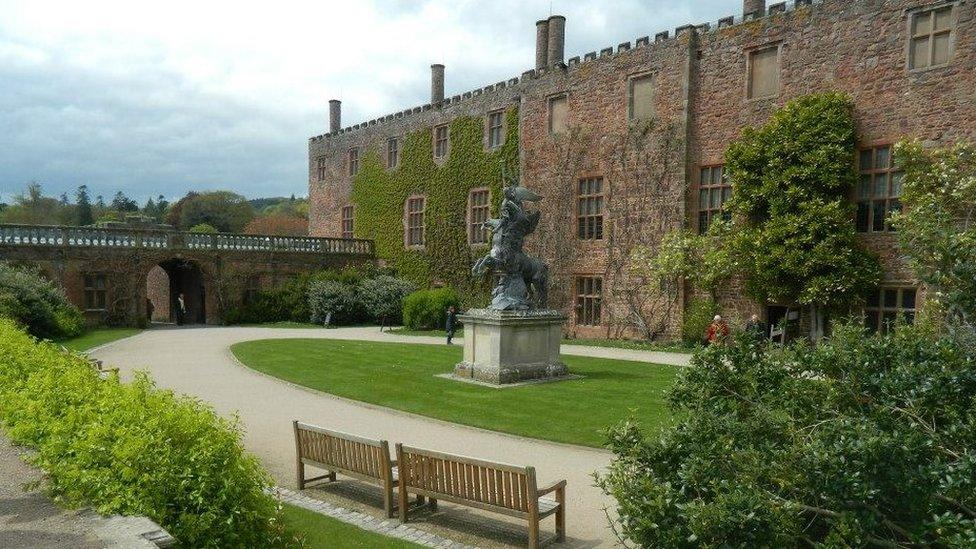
(557, 39)
(541, 44)
(436, 83)
(335, 115)
(756, 7)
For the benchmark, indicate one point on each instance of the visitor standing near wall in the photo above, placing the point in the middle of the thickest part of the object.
(451, 324)
(180, 309)
(718, 331)
(755, 328)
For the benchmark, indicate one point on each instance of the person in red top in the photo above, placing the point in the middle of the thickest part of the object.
(718, 331)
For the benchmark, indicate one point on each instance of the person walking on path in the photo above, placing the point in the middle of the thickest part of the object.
(451, 324)
(180, 310)
(718, 331)
(755, 328)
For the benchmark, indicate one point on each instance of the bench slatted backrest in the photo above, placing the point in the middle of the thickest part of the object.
(321, 447)
(494, 485)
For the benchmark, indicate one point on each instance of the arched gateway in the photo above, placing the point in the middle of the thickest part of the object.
(134, 276)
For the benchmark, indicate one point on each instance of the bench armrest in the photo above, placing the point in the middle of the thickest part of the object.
(561, 485)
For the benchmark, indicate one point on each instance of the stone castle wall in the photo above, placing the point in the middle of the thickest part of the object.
(700, 87)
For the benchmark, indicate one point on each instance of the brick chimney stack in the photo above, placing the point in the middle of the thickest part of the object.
(335, 115)
(557, 39)
(757, 7)
(541, 44)
(436, 83)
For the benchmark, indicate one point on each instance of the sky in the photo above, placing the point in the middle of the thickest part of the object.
(164, 97)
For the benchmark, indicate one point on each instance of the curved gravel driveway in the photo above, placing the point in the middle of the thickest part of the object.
(197, 361)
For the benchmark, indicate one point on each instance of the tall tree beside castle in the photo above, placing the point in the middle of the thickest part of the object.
(83, 208)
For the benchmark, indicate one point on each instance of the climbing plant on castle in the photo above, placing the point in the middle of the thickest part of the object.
(379, 195)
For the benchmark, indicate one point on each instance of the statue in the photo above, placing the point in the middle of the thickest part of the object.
(524, 280)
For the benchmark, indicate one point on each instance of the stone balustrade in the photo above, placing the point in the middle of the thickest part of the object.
(121, 238)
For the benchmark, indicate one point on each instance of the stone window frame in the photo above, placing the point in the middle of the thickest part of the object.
(753, 50)
(352, 160)
(588, 299)
(866, 198)
(631, 79)
(724, 189)
(321, 167)
(436, 140)
(409, 216)
(392, 153)
(590, 224)
(880, 312)
(95, 286)
(931, 9)
(252, 285)
(347, 221)
(500, 113)
(550, 99)
(474, 222)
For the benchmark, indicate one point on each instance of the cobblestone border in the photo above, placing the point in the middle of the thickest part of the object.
(387, 527)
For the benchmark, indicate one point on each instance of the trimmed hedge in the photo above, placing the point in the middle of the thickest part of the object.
(37, 304)
(427, 309)
(134, 449)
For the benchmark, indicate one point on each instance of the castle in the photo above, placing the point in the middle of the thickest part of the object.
(420, 181)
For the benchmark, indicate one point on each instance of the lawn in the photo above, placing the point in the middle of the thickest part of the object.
(96, 337)
(319, 531)
(402, 376)
(677, 347)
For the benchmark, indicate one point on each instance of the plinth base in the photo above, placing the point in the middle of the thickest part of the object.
(502, 347)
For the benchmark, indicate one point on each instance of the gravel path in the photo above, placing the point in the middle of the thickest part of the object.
(198, 361)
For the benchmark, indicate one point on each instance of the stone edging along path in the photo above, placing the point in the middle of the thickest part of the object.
(197, 361)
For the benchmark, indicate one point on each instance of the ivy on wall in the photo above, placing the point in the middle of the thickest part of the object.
(379, 195)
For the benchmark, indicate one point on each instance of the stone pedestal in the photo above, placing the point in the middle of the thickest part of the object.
(503, 347)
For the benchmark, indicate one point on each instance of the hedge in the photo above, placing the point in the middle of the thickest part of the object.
(427, 309)
(37, 304)
(133, 449)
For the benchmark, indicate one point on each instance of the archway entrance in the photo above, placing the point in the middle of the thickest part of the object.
(166, 282)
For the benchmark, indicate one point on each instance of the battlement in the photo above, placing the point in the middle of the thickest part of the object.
(661, 39)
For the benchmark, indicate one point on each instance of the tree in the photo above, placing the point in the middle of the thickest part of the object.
(937, 229)
(122, 203)
(278, 224)
(860, 441)
(33, 208)
(83, 207)
(792, 228)
(224, 210)
(203, 228)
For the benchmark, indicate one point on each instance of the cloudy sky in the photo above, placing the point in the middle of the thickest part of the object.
(164, 97)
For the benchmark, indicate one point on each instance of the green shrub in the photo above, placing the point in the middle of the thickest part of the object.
(288, 302)
(697, 317)
(335, 298)
(860, 441)
(383, 297)
(37, 304)
(133, 449)
(203, 228)
(427, 309)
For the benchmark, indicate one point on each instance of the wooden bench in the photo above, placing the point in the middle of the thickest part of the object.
(496, 487)
(336, 452)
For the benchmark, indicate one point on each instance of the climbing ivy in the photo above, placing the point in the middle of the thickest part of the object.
(379, 195)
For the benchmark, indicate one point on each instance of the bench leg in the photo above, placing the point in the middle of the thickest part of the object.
(561, 515)
(332, 476)
(300, 473)
(404, 501)
(420, 499)
(534, 534)
(388, 499)
(433, 503)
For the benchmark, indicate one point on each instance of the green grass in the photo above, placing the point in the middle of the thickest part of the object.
(404, 331)
(96, 337)
(401, 376)
(319, 531)
(676, 347)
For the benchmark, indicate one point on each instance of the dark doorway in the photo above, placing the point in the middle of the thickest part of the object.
(186, 278)
(783, 323)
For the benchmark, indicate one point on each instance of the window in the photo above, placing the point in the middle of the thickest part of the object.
(558, 115)
(478, 206)
(641, 98)
(495, 135)
(414, 230)
(885, 306)
(392, 152)
(353, 161)
(95, 292)
(713, 192)
(251, 288)
(878, 190)
(764, 73)
(931, 41)
(320, 167)
(589, 212)
(440, 141)
(348, 222)
(589, 300)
